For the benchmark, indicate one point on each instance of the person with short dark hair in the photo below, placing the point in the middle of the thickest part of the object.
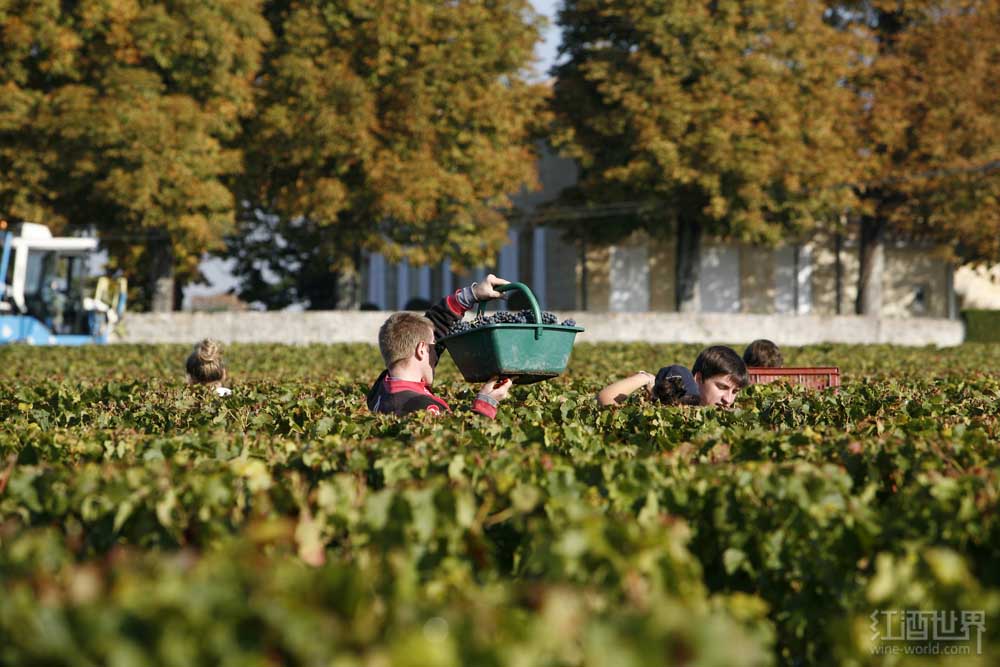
(715, 379)
(417, 303)
(762, 353)
(674, 385)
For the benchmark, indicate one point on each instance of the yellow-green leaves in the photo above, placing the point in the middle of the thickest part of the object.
(932, 126)
(121, 115)
(559, 533)
(732, 115)
(395, 126)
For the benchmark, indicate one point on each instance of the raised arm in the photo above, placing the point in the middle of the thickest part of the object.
(616, 392)
(450, 309)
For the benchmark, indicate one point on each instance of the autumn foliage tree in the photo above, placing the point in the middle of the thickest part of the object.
(124, 115)
(930, 129)
(397, 127)
(726, 118)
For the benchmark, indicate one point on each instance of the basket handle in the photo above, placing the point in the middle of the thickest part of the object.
(536, 311)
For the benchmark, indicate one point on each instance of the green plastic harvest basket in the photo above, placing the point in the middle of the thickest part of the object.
(525, 353)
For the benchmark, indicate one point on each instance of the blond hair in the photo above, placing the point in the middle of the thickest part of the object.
(204, 364)
(400, 334)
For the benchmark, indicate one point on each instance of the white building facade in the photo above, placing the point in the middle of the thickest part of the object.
(818, 276)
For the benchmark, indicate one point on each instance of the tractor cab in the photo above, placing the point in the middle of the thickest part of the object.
(45, 292)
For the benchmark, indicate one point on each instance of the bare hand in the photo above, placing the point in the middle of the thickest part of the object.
(486, 290)
(497, 389)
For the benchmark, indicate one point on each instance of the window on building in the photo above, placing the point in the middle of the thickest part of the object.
(793, 280)
(920, 299)
(719, 279)
(629, 277)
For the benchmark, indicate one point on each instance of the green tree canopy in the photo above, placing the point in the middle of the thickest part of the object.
(124, 114)
(726, 116)
(930, 129)
(398, 127)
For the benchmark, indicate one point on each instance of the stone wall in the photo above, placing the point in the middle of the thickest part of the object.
(705, 328)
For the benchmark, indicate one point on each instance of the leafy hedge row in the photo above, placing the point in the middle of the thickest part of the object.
(144, 522)
(982, 326)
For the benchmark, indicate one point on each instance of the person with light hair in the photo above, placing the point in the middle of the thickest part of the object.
(204, 366)
(408, 343)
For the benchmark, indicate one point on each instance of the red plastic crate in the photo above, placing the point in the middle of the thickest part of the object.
(814, 377)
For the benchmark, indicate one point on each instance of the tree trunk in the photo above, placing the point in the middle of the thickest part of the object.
(348, 287)
(688, 265)
(178, 295)
(161, 277)
(871, 266)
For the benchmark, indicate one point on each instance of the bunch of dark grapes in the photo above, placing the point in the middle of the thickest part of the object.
(506, 317)
(460, 326)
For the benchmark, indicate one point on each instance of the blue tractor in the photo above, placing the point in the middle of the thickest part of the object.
(46, 296)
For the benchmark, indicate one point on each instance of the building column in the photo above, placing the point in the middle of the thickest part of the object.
(402, 284)
(508, 259)
(803, 305)
(424, 282)
(949, 286)
(538, 260)
(376, 279)
(446, 282)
